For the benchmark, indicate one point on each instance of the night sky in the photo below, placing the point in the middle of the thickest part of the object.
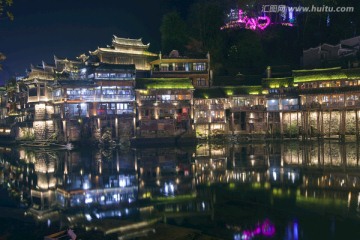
(68, 28)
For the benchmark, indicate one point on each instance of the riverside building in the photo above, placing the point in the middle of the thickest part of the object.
(121, 93)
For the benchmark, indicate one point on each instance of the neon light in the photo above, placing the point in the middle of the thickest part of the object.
(266, 229)
(263, 22)
(291, 15)
(249, 23)
(241, 20)
(287, 24)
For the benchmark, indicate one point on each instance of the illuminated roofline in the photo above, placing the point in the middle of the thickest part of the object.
(145, 53)
(129, 41)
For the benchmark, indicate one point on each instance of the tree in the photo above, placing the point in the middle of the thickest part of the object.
(4, 9)
(245, 52)
(2, 58)
(205, 19)
(4, 5)
(173, 33)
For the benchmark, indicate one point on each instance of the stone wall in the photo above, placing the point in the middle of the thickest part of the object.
(331, 121)
(350, 123)
(44, 130)
(26, 133)
(291, 123)
(125, 128)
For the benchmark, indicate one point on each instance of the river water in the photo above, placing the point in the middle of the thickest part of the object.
(257, 190)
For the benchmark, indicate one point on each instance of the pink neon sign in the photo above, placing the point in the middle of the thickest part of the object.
(251, 23)
(266, 229)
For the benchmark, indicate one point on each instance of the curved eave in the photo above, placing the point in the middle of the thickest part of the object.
(129, 41)
(106, 50)
(179, 60)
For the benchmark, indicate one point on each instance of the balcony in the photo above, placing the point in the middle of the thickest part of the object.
(201, 107)
(352, 103)
(217, 107)
(290, 107)
(218, 120)
(177, 71)
(273, 108)
(112, 112)
(312, 105)
(202, 120)
(98, 98)
(328, 105)
(240, 108)
(332, 105)
(211, 120)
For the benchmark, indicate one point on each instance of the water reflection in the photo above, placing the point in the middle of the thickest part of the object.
(224, 190)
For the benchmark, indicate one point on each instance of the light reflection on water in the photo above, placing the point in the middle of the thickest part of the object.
(227, 191)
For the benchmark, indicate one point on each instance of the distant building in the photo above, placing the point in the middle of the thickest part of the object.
(176, 66)
(328, 55)
(126, 51)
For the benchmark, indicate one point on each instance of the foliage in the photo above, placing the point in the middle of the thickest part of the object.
(329, 90)
(223, 92)
(241, 90)
(318, 75)
(173, 33)
(244, 50)
(209, 93)
(4, 5)
(235, 50)
(2, 58)
(204, 21)
(27, 134)
(353, 73)
(292, 130)
(164, 83)
(277, 82)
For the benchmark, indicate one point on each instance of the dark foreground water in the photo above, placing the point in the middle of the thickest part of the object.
(285, 190)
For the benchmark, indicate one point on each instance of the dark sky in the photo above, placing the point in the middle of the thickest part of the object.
(67, 28)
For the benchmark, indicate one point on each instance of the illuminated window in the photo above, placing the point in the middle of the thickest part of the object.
(200, 82)
(122, 106)
(165, 97)
(179, 67)
(33, 91)
(42, 89)
(164, 67)
(199, 66)
(57, 93)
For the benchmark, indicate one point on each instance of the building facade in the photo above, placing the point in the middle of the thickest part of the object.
(105, 100)
(176, 66)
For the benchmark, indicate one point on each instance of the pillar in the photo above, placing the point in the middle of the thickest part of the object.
(116, 128)
(322, 124)
(281, 125)
(232, 123)
(357, 124)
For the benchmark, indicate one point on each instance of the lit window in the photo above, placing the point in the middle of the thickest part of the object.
(42, 89)
(199, 66)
